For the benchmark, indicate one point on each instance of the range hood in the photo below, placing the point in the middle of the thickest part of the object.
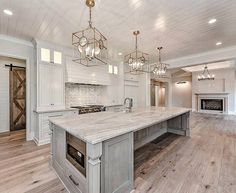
(78, 74)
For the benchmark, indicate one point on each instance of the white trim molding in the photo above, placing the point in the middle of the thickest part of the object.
(16, 40)
(221, 96)
(206, 57)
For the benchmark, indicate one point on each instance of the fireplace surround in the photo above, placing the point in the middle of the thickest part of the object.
(212, 102)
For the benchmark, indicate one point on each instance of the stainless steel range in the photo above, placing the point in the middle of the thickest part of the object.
(90, 108)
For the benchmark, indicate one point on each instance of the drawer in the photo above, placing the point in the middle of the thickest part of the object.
(76, 179)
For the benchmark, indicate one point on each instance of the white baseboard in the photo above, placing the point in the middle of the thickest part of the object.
(30, 136)
(41, 142)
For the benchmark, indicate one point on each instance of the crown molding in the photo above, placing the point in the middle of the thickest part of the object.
(16, 40)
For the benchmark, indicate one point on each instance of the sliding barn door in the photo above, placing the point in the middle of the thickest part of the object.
(17, 99)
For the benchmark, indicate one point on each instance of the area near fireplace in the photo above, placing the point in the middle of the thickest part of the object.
(212, 102)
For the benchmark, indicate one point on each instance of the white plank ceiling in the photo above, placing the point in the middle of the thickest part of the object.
(180, 26)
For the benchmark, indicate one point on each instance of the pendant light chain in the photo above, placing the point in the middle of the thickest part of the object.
(90, 16)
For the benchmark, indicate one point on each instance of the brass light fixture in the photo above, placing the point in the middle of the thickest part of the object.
(206, 75)
(160, 67)
(90, 46)
(136, 60)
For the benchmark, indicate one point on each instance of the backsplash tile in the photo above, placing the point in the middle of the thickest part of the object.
(83, 94)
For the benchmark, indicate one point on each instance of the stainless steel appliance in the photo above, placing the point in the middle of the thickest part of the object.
(90, 108)
(76, 152)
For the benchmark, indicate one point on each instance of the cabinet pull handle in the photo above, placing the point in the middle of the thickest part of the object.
(74, 182)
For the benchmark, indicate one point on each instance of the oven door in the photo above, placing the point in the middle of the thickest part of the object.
(76, 153)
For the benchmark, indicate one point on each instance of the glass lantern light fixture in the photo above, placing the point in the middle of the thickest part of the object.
(90, 46)
(160, 67)
(206, 75)
(137, 60)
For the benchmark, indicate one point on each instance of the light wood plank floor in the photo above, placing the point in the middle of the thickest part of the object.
(206, 162)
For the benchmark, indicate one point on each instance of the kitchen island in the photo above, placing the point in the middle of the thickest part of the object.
(94, 153)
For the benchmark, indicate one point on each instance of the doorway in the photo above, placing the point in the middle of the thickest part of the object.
(12, 95)
(17, 98)
(158, 93)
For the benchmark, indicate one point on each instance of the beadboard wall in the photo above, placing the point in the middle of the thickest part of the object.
(77, 94)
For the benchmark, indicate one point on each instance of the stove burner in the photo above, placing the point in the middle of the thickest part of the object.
(89, 108)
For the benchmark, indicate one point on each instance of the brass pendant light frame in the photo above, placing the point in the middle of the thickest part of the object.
(90, 40)
(136, 56)
(159, 66)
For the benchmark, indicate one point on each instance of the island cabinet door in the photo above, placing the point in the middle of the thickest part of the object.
(58, 146)
(117, 165)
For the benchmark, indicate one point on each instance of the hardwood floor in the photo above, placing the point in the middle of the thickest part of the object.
(204, 163)
(24, 167)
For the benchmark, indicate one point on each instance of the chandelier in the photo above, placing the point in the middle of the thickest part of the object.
(90, 46)
(160, 67)
(206, 75)
(136, 60)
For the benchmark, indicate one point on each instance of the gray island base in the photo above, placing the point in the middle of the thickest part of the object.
(94, 153)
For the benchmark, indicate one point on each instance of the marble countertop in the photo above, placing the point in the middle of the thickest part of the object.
(97, 127)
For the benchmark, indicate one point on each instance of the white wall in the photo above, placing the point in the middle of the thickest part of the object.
(224, 82)
(4, 91)
(182, 93)
(16, 48)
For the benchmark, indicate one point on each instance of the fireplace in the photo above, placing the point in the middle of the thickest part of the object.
(212, 104)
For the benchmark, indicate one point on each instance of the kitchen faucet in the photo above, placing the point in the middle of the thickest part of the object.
(128, 102)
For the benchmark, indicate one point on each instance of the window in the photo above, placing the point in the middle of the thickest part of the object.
(45, 55)
(57, 56)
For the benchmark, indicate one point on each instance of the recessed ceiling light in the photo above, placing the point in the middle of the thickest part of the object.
(120, 54)
(218, 43)
(211, 21)
(7, 12)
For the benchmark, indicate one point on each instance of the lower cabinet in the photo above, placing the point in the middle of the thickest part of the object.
(74, 181)
(117, 165)
(43, 132)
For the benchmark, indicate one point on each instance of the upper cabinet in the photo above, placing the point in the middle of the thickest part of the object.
(50, 77)
(50, 56)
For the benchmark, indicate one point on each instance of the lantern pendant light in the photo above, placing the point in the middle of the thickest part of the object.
(160, 67)
(136, 60)
(90, 46)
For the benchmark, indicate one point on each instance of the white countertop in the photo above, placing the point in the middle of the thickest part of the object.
(97, 127)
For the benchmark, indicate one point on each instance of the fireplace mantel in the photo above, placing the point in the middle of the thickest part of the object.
(203, 96)
(220, 93)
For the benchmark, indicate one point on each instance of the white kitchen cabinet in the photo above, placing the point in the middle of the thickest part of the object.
(49, 55)
(42, 132)
(131, 77)
(50, 77)
(51, 86)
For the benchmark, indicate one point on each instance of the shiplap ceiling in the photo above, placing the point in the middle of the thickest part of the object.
(180, 26)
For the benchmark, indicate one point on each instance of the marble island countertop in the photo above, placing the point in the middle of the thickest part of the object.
(97, 127)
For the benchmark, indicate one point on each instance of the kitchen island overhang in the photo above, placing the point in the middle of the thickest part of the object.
(110, 139)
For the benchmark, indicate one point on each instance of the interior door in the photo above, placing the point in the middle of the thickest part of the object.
(17, 99)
